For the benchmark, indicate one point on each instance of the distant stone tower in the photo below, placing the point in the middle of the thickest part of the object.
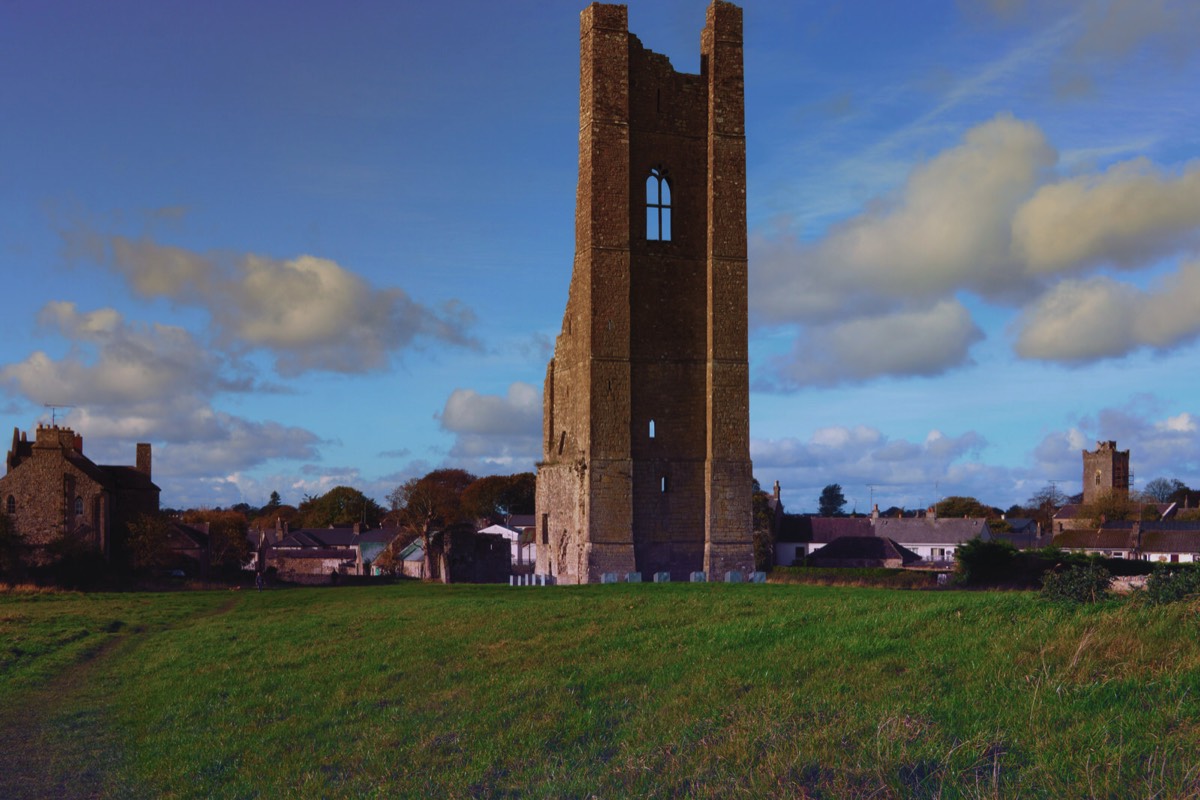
(646, 423)
(1104, 471)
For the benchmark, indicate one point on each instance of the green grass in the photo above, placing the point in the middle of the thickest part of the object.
(625, 691)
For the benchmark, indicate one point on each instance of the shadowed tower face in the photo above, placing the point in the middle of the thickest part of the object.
(646, 426)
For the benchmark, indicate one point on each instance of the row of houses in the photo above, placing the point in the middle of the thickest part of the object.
(932, 541)
(325, 555)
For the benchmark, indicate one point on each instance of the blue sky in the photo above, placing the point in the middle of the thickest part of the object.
(301, 244)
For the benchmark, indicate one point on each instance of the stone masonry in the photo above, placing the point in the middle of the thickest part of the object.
(646, 462)
(51, 490)
(1106, 470)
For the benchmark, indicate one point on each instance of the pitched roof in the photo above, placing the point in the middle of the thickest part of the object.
(866, 548)
(828, 529)
(1170, 540)
(1102, 539)
(940, 530)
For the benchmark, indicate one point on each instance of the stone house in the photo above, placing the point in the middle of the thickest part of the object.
(52, 492)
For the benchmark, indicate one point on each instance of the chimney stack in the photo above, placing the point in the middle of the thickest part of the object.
(143, 458)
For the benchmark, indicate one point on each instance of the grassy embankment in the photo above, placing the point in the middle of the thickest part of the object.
(617, 691)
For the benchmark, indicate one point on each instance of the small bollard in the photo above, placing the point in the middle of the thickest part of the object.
(758, 577)
(699, 577)
(733, 576)
(633, 577)
(662, 577)
(608, 577)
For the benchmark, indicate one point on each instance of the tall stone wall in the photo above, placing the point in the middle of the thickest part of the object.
(646, 407)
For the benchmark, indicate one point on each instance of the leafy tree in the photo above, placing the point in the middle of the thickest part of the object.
(495, 497)
(764, 529)
(147, 542)
(981, 562)
(228, 548)
(273, 503)
(1112, 506)
(832, 501)
(956, 507)
(341, 505)
(430, 503)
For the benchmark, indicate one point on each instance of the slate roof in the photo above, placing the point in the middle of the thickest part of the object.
(339, 553)
(1102, 539)
(379, 535)
(940, 530)
(1171, 541)
(799, 528)
(129, 477)
(865, 548)
(319, 537)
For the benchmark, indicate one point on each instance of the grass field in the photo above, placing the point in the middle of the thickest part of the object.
(607, 691)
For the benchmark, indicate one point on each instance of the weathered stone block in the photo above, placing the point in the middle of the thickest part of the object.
(733, 576)
(633, 577)
(698, 577)
(662, 577)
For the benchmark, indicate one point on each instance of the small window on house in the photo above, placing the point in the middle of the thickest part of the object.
(651, 429)
(10, 507)
(658, 206)
(663, 484)
(78, 506)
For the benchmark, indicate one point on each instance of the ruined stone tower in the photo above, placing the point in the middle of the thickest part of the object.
(646, 426)
(1104, 471)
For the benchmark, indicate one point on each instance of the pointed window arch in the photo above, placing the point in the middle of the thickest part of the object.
(658, 206)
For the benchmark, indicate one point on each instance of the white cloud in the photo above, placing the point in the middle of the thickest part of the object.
(1080, 321)
(928, 342)
(902, 472)
(492, 432)
(1128, 215)
(310, 313)
(878, 294)
(948, 229)
(130, 382)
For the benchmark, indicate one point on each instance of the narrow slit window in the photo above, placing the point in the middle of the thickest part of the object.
(663, 484)
(11, 506)
(651, 429)
(658, 206)
(562, 442)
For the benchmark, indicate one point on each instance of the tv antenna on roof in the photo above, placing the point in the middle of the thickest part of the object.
(54, 407)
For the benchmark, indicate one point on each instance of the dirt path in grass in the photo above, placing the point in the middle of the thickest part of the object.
(54, 742)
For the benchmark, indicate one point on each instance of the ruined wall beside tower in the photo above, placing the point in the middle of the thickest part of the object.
(646, 461)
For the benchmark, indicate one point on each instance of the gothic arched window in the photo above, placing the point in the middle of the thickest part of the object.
(10, 507)
(658, 206)
(78, 506)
